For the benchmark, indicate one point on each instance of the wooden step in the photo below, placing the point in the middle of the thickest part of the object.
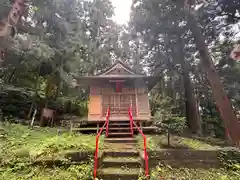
(119, 121)
(121, 129)
(86, 129)
(120, 140)
(119, 134)
(129, 162)
(119, 124)
(120, 173)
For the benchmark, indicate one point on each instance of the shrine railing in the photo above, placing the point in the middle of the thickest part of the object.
(132, 123)
(97, 142)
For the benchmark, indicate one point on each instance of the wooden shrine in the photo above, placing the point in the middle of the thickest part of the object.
(118, 87)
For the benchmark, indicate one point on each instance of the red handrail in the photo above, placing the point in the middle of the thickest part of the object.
(144, 138)
(97, 139)
(131, 119)
(107, 120)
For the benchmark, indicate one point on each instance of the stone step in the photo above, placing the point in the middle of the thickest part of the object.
(129, 162)
(119, 134)
(120, 146)
(119, 173)
(121, 153)
(120, 140)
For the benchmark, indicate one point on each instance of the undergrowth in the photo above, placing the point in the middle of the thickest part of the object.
(168, 173)
(20, 144)
(73, 172)
(158, 142)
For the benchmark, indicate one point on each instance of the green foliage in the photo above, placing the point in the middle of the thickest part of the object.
(218, 126)
(162, 106)
(57, 144)
(159, 24)
(74, 172)
(169, 173)
(158, 142)
(77, 107)
(165, 119)
(230, 158)
(14, 101)
(20, 147)
(21, 144)
(196, 144)
(4, 7)
(175, 124)
(60, 40)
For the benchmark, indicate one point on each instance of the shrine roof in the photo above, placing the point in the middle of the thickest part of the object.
(118, 71)
(118, 65)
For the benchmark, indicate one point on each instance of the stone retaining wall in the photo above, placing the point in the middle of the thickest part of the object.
(172, 157)
(185, 158)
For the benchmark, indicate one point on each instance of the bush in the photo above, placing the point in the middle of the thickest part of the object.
(230, 158)
(175, 124)
(17, 102)
(167, 172)
(14, 100)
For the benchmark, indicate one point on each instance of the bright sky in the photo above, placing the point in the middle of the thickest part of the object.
(122, 10)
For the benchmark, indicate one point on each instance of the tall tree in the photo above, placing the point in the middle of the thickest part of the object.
(219, 94)
(10, 15)
(192, 110)
(158, 22)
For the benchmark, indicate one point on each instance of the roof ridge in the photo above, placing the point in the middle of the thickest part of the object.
(125, 65)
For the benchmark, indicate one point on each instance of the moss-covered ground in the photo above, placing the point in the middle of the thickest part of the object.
(158, 142)
(168, 173)
(20, 147)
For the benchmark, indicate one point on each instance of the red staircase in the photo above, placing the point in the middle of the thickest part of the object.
(120, 159)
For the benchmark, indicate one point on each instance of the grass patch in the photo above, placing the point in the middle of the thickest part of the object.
(74, 172)
(18, 143)
(21, 146)
(169, 173)
(157, 142)
(196, 144)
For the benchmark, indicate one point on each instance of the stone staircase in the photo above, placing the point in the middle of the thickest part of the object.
(121, 160)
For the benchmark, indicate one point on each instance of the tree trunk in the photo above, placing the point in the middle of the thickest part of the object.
(192, 112)
(36, 92)
(11, 77)
(162, 86)
(182, 97)
(30, 111)
(7, 24)
(58, 87)
(170, 84)
(172, 90)
(168, 138)
(224, 106)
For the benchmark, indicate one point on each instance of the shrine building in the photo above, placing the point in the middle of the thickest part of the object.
(118, 87)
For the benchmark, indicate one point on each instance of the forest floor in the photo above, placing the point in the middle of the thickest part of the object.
(19, 144)
(158, 142)
(169, 173)
(41, 141)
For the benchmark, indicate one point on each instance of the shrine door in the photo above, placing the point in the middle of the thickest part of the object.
(119, 104)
